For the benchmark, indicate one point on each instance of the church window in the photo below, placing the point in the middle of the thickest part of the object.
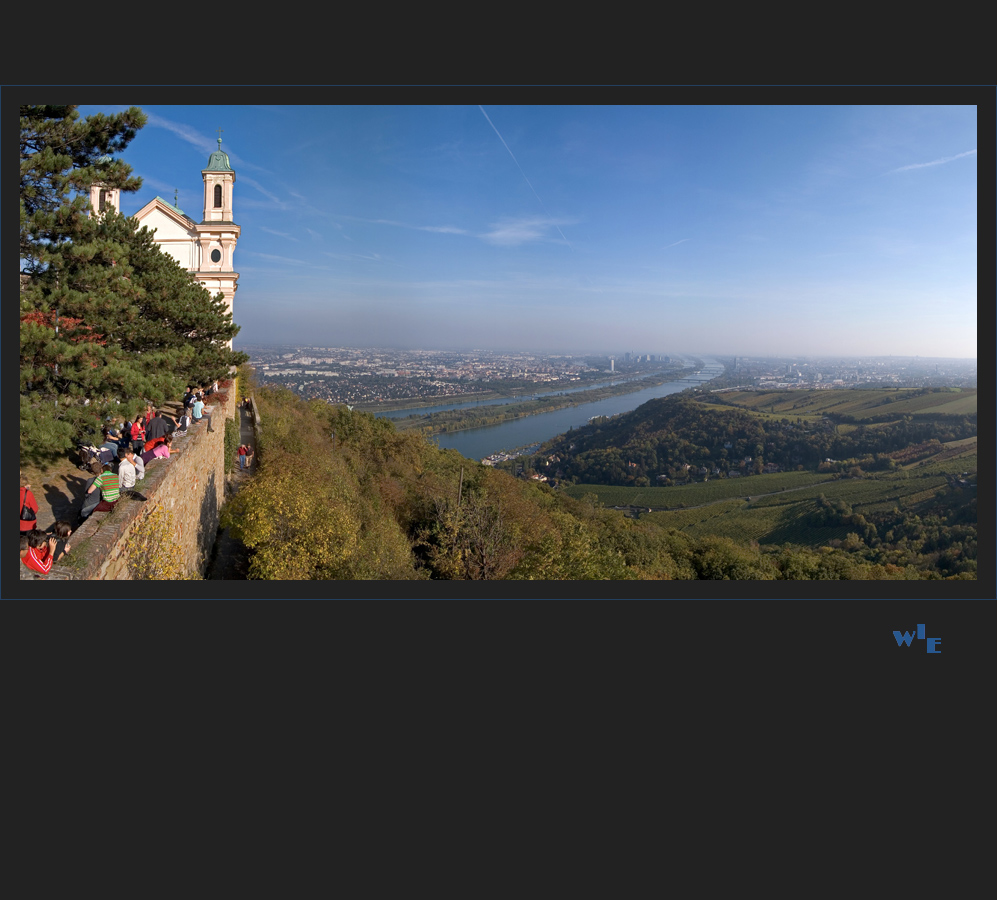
(218, 196)
(216, 256)
(103, 200)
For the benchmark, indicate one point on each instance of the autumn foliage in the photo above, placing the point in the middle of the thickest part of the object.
(340, 494)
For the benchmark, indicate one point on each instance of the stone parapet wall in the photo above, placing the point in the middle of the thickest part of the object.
(172, 533)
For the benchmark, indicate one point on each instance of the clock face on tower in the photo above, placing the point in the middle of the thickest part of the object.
(216, 256)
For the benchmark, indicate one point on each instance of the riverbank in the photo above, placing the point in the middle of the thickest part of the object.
(450, 421)
(509, 391)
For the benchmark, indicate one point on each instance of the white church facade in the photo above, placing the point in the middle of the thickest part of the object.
(205, 248)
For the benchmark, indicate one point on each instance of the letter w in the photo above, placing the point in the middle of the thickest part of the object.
(908, 636)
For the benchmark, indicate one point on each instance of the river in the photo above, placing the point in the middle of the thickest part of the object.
(498, 401)
(477, 443)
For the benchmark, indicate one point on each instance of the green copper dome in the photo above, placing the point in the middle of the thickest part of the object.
(218, 161)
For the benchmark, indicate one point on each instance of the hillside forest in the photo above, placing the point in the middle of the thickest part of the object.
(341, 494)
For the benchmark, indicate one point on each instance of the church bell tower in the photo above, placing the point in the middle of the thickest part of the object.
(103, 197)
(217, 233)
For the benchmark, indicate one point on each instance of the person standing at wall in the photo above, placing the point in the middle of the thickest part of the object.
(138, 434)
(29, 508)
(159, 426)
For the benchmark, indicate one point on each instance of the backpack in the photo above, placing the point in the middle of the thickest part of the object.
(89, 457)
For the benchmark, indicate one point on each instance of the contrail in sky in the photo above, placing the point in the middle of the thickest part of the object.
(934, 162)
(518, 166)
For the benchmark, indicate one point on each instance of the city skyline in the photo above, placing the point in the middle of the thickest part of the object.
(828, 230)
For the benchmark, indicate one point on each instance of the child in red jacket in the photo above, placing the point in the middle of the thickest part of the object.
(40, 552)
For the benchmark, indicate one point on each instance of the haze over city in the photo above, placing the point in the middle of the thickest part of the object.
(825, 230)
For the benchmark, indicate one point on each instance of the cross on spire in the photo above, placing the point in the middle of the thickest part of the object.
(219, 130)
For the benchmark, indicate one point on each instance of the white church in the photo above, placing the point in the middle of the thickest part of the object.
(205, 248)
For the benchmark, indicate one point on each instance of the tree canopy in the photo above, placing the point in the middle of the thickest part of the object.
(377, 503)
(109, 323)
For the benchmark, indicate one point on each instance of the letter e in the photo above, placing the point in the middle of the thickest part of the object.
(931, 645)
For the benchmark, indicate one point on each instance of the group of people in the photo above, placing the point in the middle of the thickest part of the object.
(245, 456)
(125, 452)
(38, 548)
(128, 449)
(193, 401)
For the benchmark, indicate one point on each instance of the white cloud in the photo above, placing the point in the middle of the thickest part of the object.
(936, 162)
(203, 143)
(352, 257)
(253, 183)
(442, 229)
(281, 259)
(513, 232)
(282, 234)
(439, 229)
(185, 132)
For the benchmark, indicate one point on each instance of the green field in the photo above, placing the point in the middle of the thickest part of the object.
(741, 521)
(784, 518)
(778, 509)
(861, 404)
(697, 494)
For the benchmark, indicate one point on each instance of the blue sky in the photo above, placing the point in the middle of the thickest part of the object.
(747, 230)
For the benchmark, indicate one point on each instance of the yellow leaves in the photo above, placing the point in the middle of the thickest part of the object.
(153, 550)
(296, 526)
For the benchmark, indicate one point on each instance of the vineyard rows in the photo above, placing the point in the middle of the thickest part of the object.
(859, 403)
(697, 494)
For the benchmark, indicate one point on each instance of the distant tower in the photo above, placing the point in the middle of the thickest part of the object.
(103, 197)
(612, 364)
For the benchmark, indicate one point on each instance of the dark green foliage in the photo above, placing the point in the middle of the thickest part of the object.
(673, 435)
(109, 323)
(233, 438)
(61, 156)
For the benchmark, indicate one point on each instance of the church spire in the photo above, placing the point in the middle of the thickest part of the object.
(219, 179)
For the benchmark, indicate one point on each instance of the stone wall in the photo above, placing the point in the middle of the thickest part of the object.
(172, 533)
